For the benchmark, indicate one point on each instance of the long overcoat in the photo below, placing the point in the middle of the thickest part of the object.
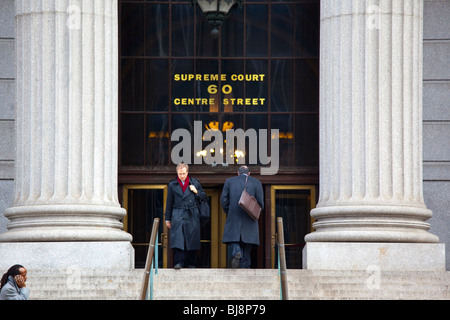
(239, 226)
(183, 213)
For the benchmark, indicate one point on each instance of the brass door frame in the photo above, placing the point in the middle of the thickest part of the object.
(163, 187)
(218, 249)
(273, 189)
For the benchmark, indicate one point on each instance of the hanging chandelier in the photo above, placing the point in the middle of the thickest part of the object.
(216, 11)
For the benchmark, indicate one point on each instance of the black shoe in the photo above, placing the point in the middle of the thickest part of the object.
(178, 266)
(236, 261)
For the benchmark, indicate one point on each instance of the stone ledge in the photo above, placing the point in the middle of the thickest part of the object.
(370, 256)
(53, 255)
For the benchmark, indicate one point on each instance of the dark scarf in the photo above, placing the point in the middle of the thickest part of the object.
(186, 183)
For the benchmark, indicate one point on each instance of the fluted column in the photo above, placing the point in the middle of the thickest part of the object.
(371, 123)
(66, 123)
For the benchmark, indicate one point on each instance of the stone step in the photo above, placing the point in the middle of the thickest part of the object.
(212, 284)
(366, 295)
(232, 284)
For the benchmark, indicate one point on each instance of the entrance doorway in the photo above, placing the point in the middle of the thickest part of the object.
(213, 251)
(144, 203)
(293, 203)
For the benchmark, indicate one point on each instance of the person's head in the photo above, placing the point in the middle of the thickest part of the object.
(14, 271)
(243, 170)
(182, 171)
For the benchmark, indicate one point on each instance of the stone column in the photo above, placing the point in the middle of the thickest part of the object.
(371, 125)
(66, 123)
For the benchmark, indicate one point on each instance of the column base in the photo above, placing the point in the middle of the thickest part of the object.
(57, 255)
(371, 223)
(364, 255)
(66, 234)
(64, 223)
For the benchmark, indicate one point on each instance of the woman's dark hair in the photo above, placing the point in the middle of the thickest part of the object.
(13, 271)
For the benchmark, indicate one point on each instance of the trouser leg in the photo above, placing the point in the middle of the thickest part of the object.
(241, 254)
(236, 254)
(190, 258)
(246, 251)
(186, 258)
(178, 256)
(234, 248)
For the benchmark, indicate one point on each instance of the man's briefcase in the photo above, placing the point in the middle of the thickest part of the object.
(249, 203)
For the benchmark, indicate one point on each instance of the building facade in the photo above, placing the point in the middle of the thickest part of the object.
(93, 92)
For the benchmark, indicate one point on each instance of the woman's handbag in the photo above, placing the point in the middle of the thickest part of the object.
(249, 203)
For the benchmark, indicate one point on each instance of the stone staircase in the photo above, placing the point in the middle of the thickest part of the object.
(237, 284)
(215, 284)
(84, 284)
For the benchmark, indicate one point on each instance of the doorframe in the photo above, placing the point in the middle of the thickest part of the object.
(273, 189)
(163, 237)
(218, 218)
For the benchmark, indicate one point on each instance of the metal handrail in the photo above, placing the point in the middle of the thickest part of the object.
(282, 261)
(151, 252)
(149, 260)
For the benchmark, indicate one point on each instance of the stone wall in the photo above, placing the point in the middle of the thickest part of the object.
(436, 117)
(7, 96)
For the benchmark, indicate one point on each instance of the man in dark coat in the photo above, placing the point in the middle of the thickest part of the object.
(241, 232)
(183, 217)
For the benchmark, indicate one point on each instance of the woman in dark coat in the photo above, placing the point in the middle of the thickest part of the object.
(183, 217)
